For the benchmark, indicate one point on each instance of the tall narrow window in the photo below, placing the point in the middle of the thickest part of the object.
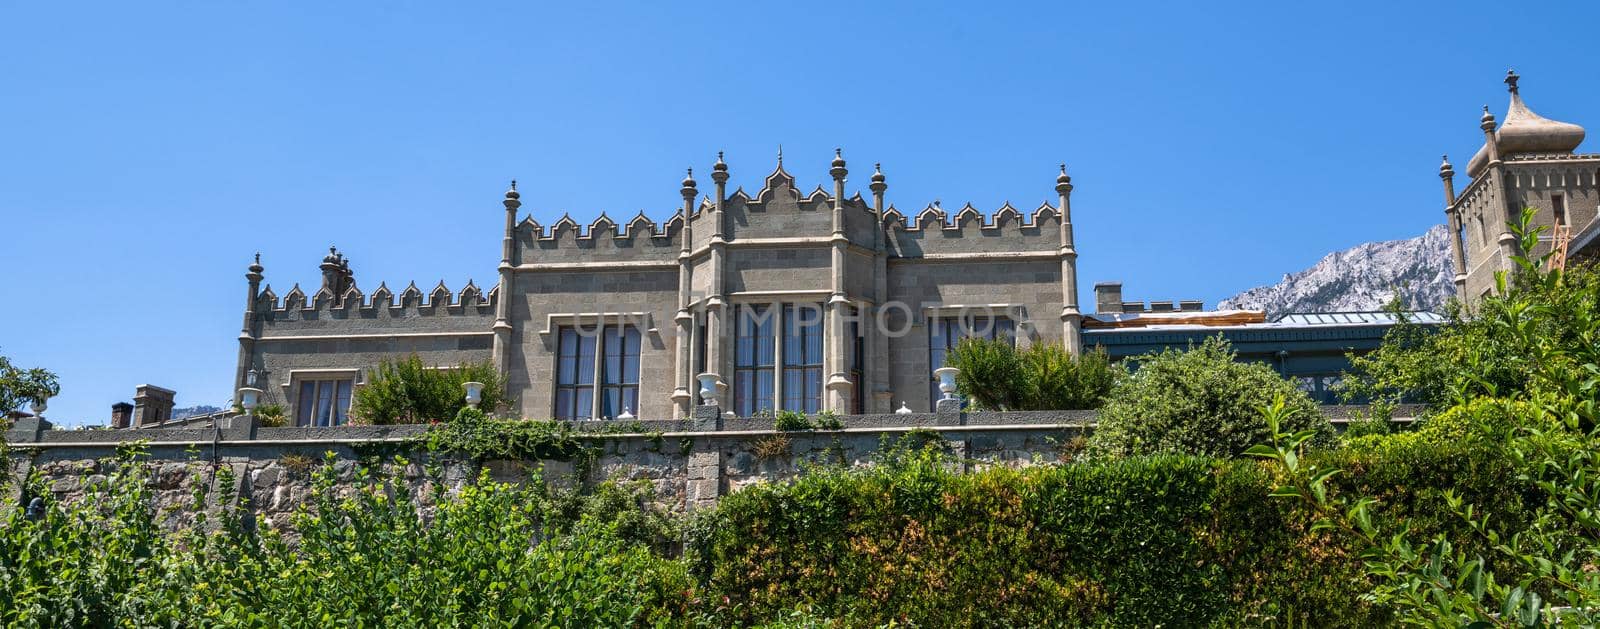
(802, 357)
(324, 402)
(1461, 239)
(945, 333)
(619, 374)
(700, 359)
(1558, 204)
(753, 360)
(575, 374)
(858, 361)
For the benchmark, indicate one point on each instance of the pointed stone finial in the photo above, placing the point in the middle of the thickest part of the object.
(513, 198)
(1446, 171)
(255, 267)
(780, 156)
(689, 192)
(719, 170)
(878, 184)
(1487, 121)
(1511, 80)
(838, 171)
(1063, 181)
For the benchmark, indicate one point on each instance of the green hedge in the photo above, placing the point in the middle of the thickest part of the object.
(1165, 540)
(1143, 541)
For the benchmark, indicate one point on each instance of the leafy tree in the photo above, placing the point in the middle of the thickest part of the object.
(1524, 375)
(406, 391)
(1201, 401)
(19, 386)
(996, 375)
(1492, 349)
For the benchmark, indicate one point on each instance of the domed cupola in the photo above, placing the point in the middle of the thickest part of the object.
(1525, 132)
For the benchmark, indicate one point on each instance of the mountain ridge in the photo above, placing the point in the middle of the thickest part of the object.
(1362, 278)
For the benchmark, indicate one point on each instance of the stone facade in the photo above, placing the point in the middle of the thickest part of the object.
(1528, 161)
(875, 276)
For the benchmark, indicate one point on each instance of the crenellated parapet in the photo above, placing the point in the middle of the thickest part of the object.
(935, 230)
(567, 241)
(412, 301)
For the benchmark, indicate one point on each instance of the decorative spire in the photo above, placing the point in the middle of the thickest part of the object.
(877, 174)
(1487, 121)
(256, 268)
(1063, 181)
(1511, 80)
(838, 171)
(1446, 171)
(719, 170)
(513, 198)
(780, 156)
(332, 257)
(688, 190)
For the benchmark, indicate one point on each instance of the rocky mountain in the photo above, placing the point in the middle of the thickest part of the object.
(1364, 277)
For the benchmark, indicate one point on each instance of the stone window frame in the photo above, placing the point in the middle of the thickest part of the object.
(596, 324)
(297, 377)
(776, 302)
(943, 314)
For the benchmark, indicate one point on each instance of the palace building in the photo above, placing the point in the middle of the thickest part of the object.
(825, 300)
(793, 300)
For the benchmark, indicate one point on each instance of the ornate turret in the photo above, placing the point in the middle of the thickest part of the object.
(1071, 317)
(336, 275)
(1524, 132)
(688, 190)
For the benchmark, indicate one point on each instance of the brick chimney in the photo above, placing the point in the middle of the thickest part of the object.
(121, 415)
(152, 405)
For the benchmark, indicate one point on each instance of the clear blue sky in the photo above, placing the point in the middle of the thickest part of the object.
(149, 149)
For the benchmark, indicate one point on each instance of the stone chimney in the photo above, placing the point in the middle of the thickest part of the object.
(152, 405)
(1190, 305)
(1108, 297)
(121, 415)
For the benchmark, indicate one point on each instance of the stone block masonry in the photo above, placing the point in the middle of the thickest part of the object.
(689, 463)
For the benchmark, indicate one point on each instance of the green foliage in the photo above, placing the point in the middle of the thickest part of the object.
(1524, 382)
(1512, 343)
(1199, 401)
(19, 386)
(491, 554)
(1140, 541)
(271, 416)
(795, 420)
(478, 437)
(790, 420)
(406, 391)
(996, 375)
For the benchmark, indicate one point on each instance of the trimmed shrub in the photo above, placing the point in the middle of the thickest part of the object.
(1044, 377)
(1201, 402)
(406, 391)
(1141, 541)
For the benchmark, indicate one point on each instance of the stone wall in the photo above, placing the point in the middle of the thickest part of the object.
(690, 463)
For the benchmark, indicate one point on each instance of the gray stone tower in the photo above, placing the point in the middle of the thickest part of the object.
(1527, 161)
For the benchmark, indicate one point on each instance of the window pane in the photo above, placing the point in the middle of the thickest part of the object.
(630, 399)
(341, 408)
(611, 403)
(586, 359)
(564, 403)
(764, 390)
(324, 402)
(583, 406)
(308, 402)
